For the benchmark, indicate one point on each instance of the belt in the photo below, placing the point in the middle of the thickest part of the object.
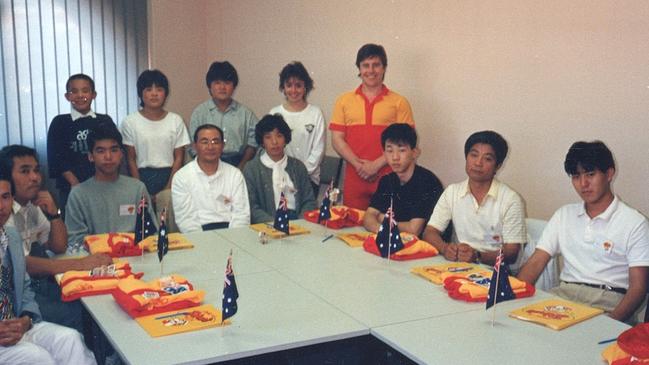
(603, 287)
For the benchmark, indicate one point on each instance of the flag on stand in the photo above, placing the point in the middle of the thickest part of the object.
(163, 240)
(144, 226)
(325, 207)
(388, 239)
(281, 215)
(230, 292)
(499, 283)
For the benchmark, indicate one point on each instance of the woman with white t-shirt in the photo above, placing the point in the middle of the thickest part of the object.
(305, 120)
(155, 139)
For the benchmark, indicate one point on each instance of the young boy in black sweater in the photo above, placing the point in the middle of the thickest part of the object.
(67, 147)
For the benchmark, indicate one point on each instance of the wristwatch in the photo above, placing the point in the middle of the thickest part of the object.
(478, 256)
(51, 217)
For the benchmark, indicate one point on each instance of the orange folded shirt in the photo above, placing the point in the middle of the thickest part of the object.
(632, 347)
(341, 217)
(139, 298)
(475, 286)
(101, 280)
(413, 248)
(113, 244)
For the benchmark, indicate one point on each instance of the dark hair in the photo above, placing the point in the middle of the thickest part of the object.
(6, 176)
(495, 140)
(590, 156)
(221, 71)
(270, 122)
(79, 77)
(105, 130)
(400, 133)
(148, 78)
(8, 153)
(296, 69)
(371, 50)
(207, 126)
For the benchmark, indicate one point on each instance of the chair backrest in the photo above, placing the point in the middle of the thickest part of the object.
(549, 278)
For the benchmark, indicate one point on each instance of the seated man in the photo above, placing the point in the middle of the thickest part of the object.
(485, 212)
(272, 172)
(24, 337)
(603, 241)
(414, 191)
(208, 193)
(106, 202)
(38, 220)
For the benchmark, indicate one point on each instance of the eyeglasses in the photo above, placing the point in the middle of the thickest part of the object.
(205, 142)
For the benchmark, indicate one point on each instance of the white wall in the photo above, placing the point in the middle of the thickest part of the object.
(543, 74)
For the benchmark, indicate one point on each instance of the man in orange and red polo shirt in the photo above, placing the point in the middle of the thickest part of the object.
(359, 118)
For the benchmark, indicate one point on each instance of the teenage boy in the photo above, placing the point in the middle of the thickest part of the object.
(208, 193)
(67, 137)
(24, 337)
(603, 241)
(358, 119)
(38, 220)
(107, 201)
(235, 120)
(485, 212)
(412, 190)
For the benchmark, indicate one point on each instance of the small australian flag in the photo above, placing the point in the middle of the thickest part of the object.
(388, 239)
(501, 281)
(144, 226)
(281, 215)
(325, 208)
(230, 292)
(163, 240)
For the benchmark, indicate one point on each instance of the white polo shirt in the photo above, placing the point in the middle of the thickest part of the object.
(31, 223)
(199, 199)
(500, 217)
(599, 250)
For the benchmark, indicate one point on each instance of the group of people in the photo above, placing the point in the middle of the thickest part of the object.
(240, 168)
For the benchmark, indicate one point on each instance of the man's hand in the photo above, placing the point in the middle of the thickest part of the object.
(45, 201)
(366, 169)
(451, 252)
(95, 260)
(12, 330)
(466, 253)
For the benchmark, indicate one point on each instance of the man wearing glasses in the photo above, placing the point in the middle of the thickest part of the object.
(208, 193)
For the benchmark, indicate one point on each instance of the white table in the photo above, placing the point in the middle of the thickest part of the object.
(299, 291)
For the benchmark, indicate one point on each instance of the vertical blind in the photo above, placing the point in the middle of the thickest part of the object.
(43, 42)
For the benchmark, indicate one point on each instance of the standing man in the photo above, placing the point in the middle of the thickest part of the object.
(358, 119)
(412, 189)
(485, 212)
(208, 193)
(235, 120)
(38, 220)
(603, 241)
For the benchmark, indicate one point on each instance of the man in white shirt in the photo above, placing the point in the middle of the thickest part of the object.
(208, 193)
(486, 213)
(38, 220)
(604, 242)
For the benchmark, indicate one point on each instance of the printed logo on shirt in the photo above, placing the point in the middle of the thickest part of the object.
(309, 127)
(81, 144)
(127, 209)
(607, 246)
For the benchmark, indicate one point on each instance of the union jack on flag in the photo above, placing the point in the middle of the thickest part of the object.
(325, 207)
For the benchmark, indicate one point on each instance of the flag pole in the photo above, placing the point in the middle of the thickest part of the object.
(390, 230)
(499, 261)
